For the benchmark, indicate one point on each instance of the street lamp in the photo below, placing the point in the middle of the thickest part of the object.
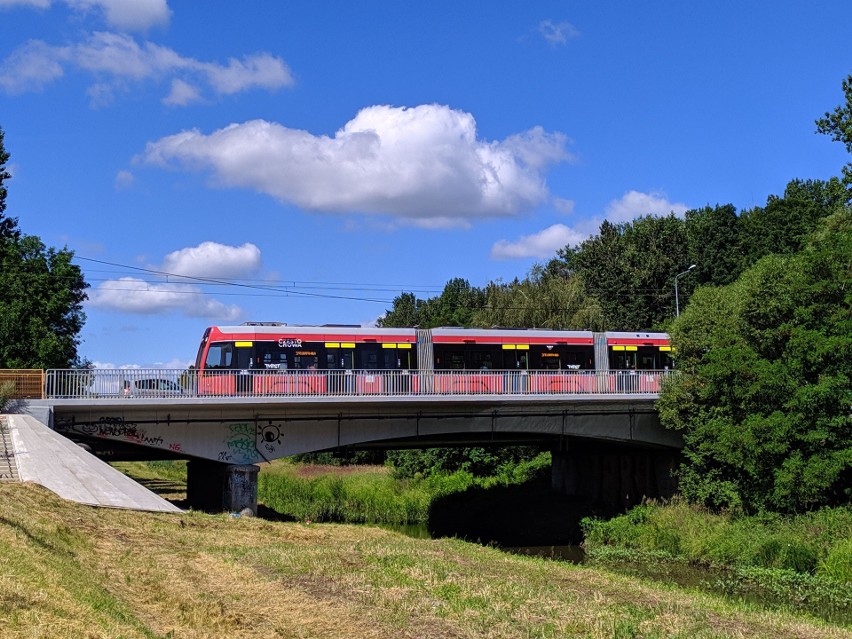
(677, 305)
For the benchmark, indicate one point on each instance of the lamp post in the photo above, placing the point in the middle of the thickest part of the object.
(677, 304)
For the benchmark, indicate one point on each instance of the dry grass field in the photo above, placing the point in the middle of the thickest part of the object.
(73, 571)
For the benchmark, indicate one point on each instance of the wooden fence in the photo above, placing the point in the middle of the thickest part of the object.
(26, 383)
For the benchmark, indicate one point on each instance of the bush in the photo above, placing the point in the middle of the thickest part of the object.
(818, 542)
(7, 390)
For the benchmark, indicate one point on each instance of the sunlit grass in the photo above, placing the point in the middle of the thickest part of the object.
(74, 571)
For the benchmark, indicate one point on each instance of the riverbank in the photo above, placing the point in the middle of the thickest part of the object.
(71, 571)
(771, 561)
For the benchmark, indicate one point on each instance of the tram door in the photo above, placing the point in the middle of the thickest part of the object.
(340, 358)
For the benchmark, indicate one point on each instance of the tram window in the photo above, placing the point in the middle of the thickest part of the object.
(576, 360)
(219, 356)
(390, 360)
(340, 359)
(481, 361)
(621, 360)
(646, 363)
(456, 361)
(370, 359)
(271, 358)
(551, 361)
(305, 360)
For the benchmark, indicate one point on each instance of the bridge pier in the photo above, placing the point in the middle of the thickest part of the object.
(614, 480)
(215, 487)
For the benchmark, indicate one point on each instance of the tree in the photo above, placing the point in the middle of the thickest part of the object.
(406, 312)
(8, 226)
(713, 235)
(630, 269)
(764, 401)
(455, 306)
(41, 296)
(838, 124)
(784, 224)
(544, 299)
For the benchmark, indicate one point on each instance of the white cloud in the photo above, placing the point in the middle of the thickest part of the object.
(634, 204)
(557, 33)
(116, 59)
(30, 68)
(545, 243)
(213, 260)
(162, 295)
(127, 14)
(422, 164)
(121, 14)
(182, 93)
(140, 297)
(124, 179)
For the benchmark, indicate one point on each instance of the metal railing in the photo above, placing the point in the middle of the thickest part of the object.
(163, 383)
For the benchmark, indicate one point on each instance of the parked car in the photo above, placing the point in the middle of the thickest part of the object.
(154, 387)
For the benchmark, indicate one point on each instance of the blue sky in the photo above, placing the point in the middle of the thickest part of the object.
(306, 162)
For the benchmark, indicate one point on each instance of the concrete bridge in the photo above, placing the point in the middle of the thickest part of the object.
(606, 439)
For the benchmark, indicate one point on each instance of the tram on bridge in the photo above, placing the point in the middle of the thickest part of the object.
(275, 358)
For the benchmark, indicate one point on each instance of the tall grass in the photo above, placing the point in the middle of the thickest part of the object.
(353, 498)
(818, 543)
(372, 496)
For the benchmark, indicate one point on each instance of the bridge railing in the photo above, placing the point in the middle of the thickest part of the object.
(164, 383)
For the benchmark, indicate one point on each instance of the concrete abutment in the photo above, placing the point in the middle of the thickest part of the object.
(216, 487)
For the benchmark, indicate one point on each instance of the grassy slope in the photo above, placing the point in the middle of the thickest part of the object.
(73, 571)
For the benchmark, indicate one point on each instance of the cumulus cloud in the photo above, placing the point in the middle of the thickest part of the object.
(557, 33)
(545, 243)
(117, 60)
(423, 164)
(162, 295)
(120, 14)
(213, 260)
(141, 297)
(634, 204)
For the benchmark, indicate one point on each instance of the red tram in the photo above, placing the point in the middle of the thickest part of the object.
(276, 358)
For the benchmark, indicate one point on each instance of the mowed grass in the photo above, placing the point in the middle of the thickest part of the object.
(68, 570)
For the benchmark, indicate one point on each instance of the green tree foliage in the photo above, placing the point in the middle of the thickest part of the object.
(41, 296)
(764, 405)
(543, 299)
(455, 306)
(406, 312)
(784, 224)
(479, 462)
(838, 124)
(630, 269)
(713, 235)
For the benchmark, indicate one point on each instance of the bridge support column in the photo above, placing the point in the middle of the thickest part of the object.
(613, 480)
(217, 487)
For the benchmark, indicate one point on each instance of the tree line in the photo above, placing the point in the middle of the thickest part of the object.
(764, 344)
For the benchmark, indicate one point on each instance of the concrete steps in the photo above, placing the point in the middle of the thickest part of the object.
(8, 467)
